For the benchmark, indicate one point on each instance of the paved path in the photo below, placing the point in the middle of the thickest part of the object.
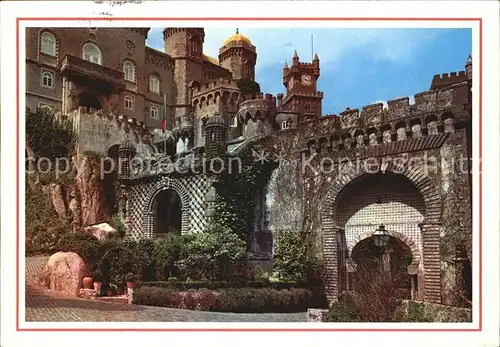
(42, 305)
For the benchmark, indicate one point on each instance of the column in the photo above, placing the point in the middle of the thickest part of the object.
(149, 225)
(330, 249)
(431, 261)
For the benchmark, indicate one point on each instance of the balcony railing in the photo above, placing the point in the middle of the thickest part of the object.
(72, 64)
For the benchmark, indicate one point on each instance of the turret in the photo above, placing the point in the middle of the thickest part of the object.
(126, 152)
(215, 137)
(468, 67)
(239, 56)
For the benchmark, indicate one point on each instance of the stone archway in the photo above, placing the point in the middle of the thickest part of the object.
(332, 232)
(150, 206)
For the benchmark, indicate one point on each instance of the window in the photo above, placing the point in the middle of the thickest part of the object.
(233, 123)
(92, 53)
(153, 112)
(285, 124)
(154, 84)
(48, 44)
(129, 71)
(194, 46)
(47, 79)
(129, 102)
(308, 107)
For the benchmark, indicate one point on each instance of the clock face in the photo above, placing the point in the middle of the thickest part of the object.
(306, 79)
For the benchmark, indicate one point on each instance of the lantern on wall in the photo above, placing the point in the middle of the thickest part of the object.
(381, 236)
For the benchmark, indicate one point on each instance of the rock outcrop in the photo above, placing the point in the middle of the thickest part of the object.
(63, 273)
(101, 231)
(90, 193)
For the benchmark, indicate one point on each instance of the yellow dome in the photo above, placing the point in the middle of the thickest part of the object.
(238, 37)
(211, 59)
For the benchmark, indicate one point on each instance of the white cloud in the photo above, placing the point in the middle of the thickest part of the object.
(276, 45)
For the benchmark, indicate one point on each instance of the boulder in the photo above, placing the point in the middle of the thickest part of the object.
(63, 272)
(101, 231)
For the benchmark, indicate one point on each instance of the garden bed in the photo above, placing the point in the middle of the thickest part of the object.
(238, 300)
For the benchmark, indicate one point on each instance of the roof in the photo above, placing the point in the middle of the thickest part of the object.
(211, 59)
(238, 38)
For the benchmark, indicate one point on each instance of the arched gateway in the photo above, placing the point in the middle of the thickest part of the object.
(166, 208)
(405, 200)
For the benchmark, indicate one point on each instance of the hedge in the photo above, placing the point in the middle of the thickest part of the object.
(214, 285)
(239, 300)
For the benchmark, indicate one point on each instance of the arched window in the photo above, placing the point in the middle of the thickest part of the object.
(129, 71)
(48, 44)
(153, 112)
(129, 102)
(45, 107)
(154, 84)
(92, 53)
(194, 46)
(47, 79)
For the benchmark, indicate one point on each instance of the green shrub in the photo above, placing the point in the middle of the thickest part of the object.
(341, 312)
(211, 253)
(116, 262)
(145, 252)
(188, 285)
(241, 300)
(48, 137)
(290, 258)
(84, 244)
(116, 223)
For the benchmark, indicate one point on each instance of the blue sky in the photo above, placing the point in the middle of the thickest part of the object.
(358, 66)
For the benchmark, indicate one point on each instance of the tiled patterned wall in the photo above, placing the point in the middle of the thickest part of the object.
(192, 191)
(381, 199)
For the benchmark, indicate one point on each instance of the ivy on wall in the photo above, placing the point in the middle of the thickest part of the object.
(235, 192)
(248, 86)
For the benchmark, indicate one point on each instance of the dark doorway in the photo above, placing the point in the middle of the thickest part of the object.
(168, 213)
(90, 100)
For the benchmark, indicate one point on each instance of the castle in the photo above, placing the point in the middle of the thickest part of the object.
(115, 90)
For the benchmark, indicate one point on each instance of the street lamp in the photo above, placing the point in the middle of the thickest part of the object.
(381, 236)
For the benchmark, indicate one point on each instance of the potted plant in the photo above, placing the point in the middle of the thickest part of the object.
(87, 282)
(130, 278)
(97, 276)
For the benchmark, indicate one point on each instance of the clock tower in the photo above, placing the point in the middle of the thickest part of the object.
(302, 95)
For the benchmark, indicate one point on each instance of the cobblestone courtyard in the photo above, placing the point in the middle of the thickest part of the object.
(45, 306)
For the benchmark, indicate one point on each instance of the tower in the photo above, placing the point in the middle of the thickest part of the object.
(239, 56)
(185, 46)
(126, 152)
(215, 137)
(302, 95)
(468, 67)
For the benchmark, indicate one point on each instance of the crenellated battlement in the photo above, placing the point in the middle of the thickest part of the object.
(258, 106)
(446, 79)
(434, 112)
(291, 94)
(97, 131)
(212, 86)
